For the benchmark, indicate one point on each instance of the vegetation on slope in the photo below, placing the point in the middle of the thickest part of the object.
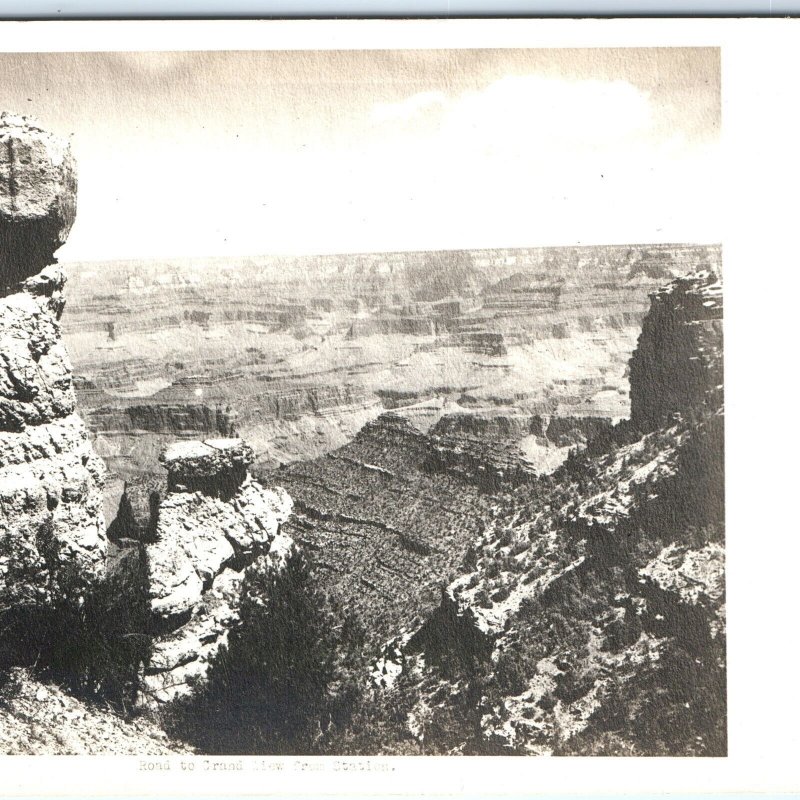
(289, 675)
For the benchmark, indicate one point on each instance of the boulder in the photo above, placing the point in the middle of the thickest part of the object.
(214, 467)
(38, 190)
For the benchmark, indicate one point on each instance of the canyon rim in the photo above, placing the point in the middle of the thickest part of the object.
(362, 403)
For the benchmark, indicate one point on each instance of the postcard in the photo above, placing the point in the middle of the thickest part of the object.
(362, 406)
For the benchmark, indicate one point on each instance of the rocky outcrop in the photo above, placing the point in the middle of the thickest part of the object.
(677, 364)
(214, 522)
(568, 431)
(215, 467)
(590, 615)
(492, 465)
(501, 451)
(37, 196)
(494, 426)
(52, 531)
(550, 430)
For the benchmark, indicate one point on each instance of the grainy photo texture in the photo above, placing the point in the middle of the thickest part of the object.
(361, 402)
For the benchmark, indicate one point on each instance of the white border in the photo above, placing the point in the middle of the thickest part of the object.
(761, 132)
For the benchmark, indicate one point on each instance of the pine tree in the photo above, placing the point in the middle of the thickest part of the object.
(268, 691)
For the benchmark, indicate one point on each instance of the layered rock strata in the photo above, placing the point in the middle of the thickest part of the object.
(491, 464)
(214, 522)
(591, 619)
(52, 531)
(383, 530)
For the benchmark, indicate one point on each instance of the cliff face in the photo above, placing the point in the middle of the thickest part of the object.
(592, 617)
(212, 524)
(173, 419)
(282, 423)
(498, 451)
(52, 532)
(383, 530)
(677, 364)
(490, 464)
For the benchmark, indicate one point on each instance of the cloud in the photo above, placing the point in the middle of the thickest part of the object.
(407, 109)
(526, 160)
(532, 159)
(556, 113)
(532, 107)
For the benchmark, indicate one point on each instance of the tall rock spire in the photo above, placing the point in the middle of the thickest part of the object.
(52, 531)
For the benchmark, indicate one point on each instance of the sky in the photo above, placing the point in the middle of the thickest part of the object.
(271, 152)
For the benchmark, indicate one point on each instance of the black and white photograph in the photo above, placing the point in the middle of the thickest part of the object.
(362, 402)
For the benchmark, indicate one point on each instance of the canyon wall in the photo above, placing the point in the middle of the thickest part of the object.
(298, 354)
(677, 364)
(388, 516)
(282, 423)
(52, 531)
(590, 616)
(381, 529)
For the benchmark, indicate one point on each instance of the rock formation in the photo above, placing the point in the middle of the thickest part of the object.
(491, 464)
(37, 196)
(590, 618)
(213, 523)
(52, 532)
(677, 364)
(380, 527)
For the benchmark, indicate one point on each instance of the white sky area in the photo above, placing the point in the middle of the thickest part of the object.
(246, 153)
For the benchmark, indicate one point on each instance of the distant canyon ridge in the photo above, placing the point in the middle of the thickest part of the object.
(297, 354)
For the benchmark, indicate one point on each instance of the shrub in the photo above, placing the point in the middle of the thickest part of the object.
(513, 673)
(501, 594)
(92, 639)
(286, 674)
(482, 599)
(492, 569)
(520, 547)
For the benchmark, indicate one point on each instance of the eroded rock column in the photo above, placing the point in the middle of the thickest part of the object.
(52, 531)
(677, 365)
(214, 523)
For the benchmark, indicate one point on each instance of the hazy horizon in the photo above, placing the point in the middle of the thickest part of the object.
(199, 257)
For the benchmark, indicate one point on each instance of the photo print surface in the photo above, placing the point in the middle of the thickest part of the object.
(362, 402)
